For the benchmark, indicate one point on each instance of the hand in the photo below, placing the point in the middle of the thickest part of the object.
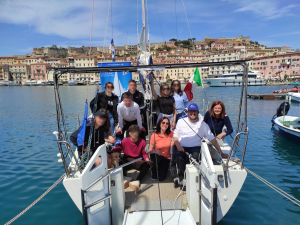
(173, 125)
(143, 129)
(224, 155)
(172, 144)
(119, 130)
(116, 124)
(156, 152)
(220, 136)
(180, 148)
(148, 161)
(113, 141)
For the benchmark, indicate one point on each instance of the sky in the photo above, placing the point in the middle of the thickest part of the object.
(25, 24)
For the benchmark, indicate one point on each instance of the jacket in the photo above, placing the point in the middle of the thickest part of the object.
(102, 104)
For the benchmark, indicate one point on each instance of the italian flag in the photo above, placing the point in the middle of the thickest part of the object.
(195, 81)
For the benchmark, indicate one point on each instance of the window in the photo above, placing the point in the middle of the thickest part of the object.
(277, 61)
(253, 63)
(271, 67)
(269, 72)
(271, 61)
(283, 60)
(275, 67)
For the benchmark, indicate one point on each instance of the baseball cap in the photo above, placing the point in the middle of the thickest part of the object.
(193, 106)
(100, 114)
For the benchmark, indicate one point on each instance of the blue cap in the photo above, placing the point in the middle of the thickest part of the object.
(193, 106)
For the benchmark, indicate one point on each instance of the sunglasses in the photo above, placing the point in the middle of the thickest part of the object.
(166, 89)
(163, 123)
(109, 86)
(176, 85)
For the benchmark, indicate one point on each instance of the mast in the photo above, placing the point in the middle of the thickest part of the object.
(144, 26)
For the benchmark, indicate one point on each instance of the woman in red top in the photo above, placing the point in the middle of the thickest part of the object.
(160, 144)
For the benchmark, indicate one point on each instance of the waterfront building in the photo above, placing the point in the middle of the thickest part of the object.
(259, 52)
(38, 71)
(19, 72)
(7, 60)
(218, 45)
(201, 46)
(83, 61)
(4, 72)
(278, 66)
(53, 61)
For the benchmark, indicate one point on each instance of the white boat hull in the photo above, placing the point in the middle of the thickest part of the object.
(294, 97)
(232, 82)
(291, 132)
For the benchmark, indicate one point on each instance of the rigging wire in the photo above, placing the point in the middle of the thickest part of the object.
(105, 30)
(137, 30)
(187, 20)
(159, 22)
(148, 27)
(176, 20)
(128, 27)
(87, 86)
(112, 27)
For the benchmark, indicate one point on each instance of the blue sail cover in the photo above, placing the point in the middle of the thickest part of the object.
(81, 133)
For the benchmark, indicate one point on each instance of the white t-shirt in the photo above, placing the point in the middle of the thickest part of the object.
(129, 114)
(186, 132)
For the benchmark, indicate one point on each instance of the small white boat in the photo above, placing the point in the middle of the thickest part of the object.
(294, 96)
(13, 83)
(30, 83)
(41, 83)
(5, 83)
(234, 79)
(72, 83)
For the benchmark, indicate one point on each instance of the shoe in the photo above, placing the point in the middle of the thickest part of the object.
(126, 184)
(153, 178)
(135, 186)
(176, 183)
(183, 185)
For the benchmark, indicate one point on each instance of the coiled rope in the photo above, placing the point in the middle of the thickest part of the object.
(37, 200)
(277, 189)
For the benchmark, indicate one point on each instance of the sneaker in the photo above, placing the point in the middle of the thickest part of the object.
(153, 178)
(126, 182)
(176, 183)
(135, 186)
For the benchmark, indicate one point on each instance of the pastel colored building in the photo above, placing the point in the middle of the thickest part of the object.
(39, 71)
(19, 72)
(219, 45)
(278, 66)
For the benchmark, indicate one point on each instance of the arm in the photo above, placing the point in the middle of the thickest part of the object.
(153, 90)
(144, 153)
(206, 117)
(216, 145)
(177, 144)
(151, 149)
(138, 115)
(115, 107)
(176, 136)
(92, 104)
(118, 148)
(174, 113)
(110, 138)
(185, 100)
(120, 116)
(228, 125)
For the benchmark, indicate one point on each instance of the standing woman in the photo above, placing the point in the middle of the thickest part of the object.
(216, 118)
(180, 98)
(166, 103)
(160, 144)
(109, 101)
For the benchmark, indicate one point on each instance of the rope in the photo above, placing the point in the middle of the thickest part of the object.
(176, 20)
(187, 19)
(37, 200)
(128, 27)
(105, 30)
(277, 189)
(87, 86)
(159, 22)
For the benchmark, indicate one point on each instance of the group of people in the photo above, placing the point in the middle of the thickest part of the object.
(173, 129)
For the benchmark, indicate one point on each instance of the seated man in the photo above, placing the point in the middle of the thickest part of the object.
(134, 147)
(129, 114)
(188, 136)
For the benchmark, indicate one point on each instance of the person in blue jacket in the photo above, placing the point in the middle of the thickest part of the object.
(216, 118)
(180, 98)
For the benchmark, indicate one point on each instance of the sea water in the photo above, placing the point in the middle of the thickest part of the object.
(28, 163)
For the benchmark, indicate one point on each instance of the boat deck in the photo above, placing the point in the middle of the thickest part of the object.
(148, 196)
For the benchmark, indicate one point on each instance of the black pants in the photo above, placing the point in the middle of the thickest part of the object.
(182, 159)
(126, 125)
(140, 165)
(162, 164)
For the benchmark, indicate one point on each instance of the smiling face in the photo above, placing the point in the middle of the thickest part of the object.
(164, 124)
(176, 86)
(217, 110)
(193, 114)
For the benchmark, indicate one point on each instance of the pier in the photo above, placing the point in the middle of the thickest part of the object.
(267, 96)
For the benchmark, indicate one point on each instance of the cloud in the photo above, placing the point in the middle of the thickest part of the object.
(285, 34)
(268, 9)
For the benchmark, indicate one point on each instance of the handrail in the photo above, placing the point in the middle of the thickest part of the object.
(110, 171)
(97, 201)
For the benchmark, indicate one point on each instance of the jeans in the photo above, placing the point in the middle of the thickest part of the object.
(112, 123)
(182, 159)
(179, 116)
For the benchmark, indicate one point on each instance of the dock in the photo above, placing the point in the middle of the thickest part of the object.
(267, 96)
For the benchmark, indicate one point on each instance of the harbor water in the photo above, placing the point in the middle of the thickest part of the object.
(29, 164)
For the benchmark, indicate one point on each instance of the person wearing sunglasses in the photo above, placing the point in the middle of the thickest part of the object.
(187, 138)
(159, 149)
(166, 103)
(180, 98)
(133, 148)
(109, 101)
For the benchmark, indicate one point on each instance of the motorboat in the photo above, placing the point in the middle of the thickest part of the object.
(50, 83)
(13, 83)
(4, 83)
(81, 82)
(41, 83)
(234, 79)
(288, 127)
(30, 83)
(294, 96)
(295, 89)
(72, 83)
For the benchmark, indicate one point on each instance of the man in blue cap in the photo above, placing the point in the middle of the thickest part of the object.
(188, 136)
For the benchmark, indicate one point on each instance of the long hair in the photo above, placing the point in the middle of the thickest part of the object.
(158, 128)
(223, 112)
(180, 92)
(162, 86)
(107, 122)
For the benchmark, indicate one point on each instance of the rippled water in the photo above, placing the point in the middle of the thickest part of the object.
(29, 165)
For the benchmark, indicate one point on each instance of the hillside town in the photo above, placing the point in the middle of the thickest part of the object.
(273, 63)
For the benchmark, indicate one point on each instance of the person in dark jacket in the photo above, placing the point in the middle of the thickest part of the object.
(137, 96)
(216, 118)
(101, 134)
(108, 101)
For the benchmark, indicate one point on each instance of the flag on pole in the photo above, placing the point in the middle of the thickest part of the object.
(195, 81)
(112, 48)
(81, 133)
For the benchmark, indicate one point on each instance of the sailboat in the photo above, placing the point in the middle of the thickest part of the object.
(211, 185)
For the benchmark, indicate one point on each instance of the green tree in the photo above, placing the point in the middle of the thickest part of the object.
(53, 46)
(173, 40)
(209, 43)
